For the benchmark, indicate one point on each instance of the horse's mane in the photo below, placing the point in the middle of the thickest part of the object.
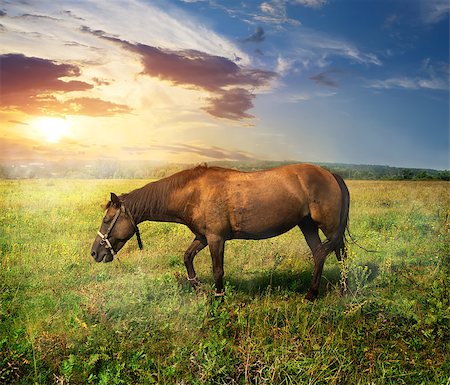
(153, 197)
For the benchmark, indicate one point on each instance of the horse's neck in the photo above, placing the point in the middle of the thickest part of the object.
(159, 216)
(150, 204)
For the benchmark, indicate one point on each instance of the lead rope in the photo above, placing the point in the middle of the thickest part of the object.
(138, 234)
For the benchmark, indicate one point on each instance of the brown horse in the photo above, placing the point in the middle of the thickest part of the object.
(218, 204)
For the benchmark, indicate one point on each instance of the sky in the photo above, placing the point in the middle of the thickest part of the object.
(346, 81)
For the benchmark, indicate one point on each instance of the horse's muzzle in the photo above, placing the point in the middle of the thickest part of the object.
(102, 257)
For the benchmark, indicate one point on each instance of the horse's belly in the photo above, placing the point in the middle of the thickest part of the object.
(263, 222)
(266, 207)
(262, 234)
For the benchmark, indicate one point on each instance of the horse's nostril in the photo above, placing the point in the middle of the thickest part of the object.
(93, 253)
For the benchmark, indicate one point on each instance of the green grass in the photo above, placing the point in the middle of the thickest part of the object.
(65, 319)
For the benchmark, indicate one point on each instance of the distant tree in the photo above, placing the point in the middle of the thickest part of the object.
(407, 174)
(422, 175)
(443, 175)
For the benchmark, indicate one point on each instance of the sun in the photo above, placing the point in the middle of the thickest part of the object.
(52, 129)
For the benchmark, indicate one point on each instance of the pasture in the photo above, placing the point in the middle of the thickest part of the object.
(65, 319)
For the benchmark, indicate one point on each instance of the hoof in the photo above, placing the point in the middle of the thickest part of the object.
(311, 296)
(217, 300)
(194, 282)
(219, 297)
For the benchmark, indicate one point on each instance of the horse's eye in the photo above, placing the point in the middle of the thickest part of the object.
(106, 220)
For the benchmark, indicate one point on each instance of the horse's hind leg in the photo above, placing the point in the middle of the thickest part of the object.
(311, 232)
(197, 244)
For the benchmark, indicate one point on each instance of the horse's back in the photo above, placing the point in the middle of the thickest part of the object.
(264, 203)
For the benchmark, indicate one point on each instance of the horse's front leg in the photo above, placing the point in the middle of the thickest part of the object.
(197, 244)
(216, 247)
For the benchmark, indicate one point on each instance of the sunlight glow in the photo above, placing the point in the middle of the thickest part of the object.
(52, 129)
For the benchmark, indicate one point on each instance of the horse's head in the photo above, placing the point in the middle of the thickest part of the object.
(117, 228)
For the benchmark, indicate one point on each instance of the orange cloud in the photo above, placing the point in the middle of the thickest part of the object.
(24, 76)
(31, 150)
(231, 104)
(178, 148)
(93, 107)
(200, 70)
(29, 84)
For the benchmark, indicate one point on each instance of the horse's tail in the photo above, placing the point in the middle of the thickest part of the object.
(338, 241)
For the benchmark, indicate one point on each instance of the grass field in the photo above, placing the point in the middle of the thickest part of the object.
(65, 319)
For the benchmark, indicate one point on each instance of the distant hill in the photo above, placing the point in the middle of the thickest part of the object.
(154, 169)
(351, 171)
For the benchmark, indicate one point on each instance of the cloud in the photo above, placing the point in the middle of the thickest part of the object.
(409, 83)
(182, 149)
(298, 97)
(432, 76)
(326, 78)
(257, 37)
(18, 122)
(227, 81)
(323, 80)
(231, 104)
(311, 3)
(335, 47)
(390, 21)
(50, 105)
(14, 149)
(284, 65)
(308, 48)
(72, 15)
(275, 8)
(30, 75)
(93, 107)
(41, 17)
(28, 150)
(274, 12)
(30, 84)
(434, 11)
(161, 24)
(305, 96)
(101, 82)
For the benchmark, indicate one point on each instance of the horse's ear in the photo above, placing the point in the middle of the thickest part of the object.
(115, 200)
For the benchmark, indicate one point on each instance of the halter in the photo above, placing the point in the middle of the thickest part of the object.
(104, 237)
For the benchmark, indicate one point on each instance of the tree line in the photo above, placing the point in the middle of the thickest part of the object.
(156, 170)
